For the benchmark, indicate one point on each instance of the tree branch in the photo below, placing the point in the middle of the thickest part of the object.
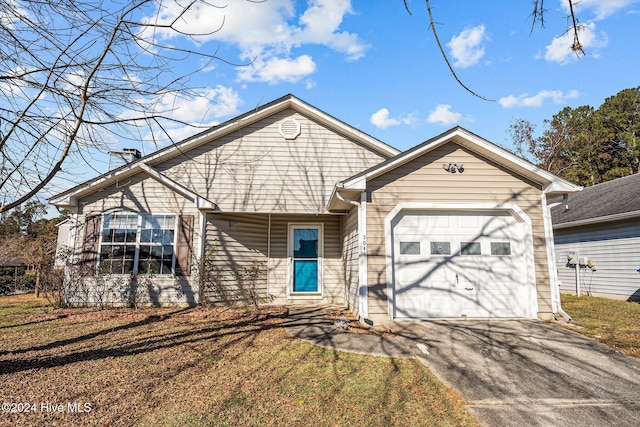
(432, 26)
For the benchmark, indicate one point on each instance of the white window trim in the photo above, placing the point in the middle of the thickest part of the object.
(305, 295)
(136, 260)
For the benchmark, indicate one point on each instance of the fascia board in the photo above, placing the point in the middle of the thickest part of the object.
(549, 182)
(560, 186)
(226, 128)
(259, 114)
(334, 123)
(71, 198)
(360, 180)
(597, 220)
(199, 201)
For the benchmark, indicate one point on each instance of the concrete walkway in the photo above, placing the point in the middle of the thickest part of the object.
(311, 324)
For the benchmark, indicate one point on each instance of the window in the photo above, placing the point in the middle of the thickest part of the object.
(440, 248)
(141, 243)
(500, 248)
(409, 248)
(470, 248)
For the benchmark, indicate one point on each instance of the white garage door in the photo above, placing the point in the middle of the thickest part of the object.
(460, 264)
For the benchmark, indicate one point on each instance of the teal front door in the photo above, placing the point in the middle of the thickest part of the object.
(305, 247)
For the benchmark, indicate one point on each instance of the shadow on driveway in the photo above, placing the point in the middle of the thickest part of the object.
(528, 373)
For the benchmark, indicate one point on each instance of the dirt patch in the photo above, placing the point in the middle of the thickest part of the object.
(346, 320)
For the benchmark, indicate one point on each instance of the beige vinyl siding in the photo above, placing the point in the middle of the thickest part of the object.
(142, 194)
(350, 257)
(238, 244)
(254, 169)
(425, 180)
(242, 239)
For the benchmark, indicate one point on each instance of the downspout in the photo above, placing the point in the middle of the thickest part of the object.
(363, 307)
(556, 305)
(363, 268)
(202, 216)
(268, 256)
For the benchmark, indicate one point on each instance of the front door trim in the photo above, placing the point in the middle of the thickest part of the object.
(319, 293)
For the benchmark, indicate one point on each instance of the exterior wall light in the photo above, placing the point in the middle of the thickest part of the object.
(453, 167)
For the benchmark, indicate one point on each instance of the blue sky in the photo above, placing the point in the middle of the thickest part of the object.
(376, 67)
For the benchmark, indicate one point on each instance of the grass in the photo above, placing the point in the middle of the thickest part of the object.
(612, 322)
(197, 367)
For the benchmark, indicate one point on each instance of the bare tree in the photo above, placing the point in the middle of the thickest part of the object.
(76, 74)
(537, 18)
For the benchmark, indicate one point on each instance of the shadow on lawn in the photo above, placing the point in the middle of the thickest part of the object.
(162, 340)
(35, 322)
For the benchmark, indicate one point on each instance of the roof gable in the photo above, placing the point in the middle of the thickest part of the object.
(551, 184)
(69, 197)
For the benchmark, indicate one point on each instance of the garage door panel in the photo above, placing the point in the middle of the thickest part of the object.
(438, 301)
(468, 264)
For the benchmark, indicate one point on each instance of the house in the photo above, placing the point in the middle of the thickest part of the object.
(599, 230)
(318, 211)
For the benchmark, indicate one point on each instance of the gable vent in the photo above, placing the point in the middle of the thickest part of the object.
(289, 128)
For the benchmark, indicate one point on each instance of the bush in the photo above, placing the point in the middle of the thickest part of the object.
(10, 284)
(11, 271)
(6, 284)
(26, 283)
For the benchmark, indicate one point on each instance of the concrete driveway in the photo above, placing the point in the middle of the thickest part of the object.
(528, 373)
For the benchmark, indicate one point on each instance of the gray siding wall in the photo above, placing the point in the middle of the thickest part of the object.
(141, 194)
(241, 239)
(615, 248)
(424, 180)
(350, 257)
(254, 169)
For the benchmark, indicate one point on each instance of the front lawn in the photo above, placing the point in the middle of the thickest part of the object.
(612, 322)
(199, 367)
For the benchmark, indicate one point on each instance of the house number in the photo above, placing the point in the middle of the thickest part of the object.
(364, 243)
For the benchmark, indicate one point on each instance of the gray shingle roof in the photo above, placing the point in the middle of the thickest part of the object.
(619, 196)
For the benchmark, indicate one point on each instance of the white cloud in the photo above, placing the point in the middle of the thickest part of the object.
(321, 24)
(210, 103)
(381, 119)
(466, 47)
(524, 100)
(276, 70)
(410, 119)
(266, 32)
(202, 110)
(560, 49)
(442, 114)
(600, 8)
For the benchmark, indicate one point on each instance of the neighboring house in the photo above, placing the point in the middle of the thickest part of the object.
(322, 212)
(601, 224)
(64, 243)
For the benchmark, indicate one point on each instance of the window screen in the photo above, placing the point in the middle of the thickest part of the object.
(500, 248)
(410, 248)
(440, 248)
(470, 248)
